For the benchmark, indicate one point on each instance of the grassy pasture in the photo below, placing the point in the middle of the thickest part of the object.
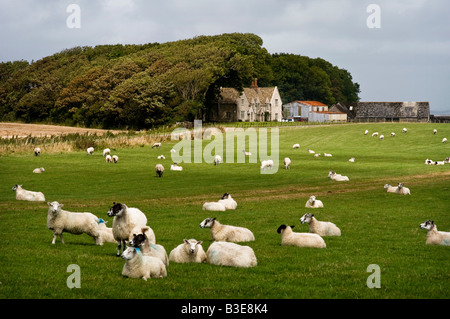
(377, 227)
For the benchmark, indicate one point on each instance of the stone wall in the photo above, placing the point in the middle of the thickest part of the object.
(393, 111)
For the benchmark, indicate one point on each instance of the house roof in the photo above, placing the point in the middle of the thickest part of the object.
(311, 103)
(230, 95)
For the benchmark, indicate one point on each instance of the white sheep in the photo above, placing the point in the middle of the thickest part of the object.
(267, 164)
(159, 168)
(214, 207)
(327, 155)
(127, 221)
(37, 151)
(404, 130)
(115, 159)
(175, 167)
(39, 170)
(23, 194)
(428, 162)
(439, 163)
(190, 251)
(287, 163)
(375, 134)
(435, 237)
(246, 153)
(444, 140)
(140, 266)
(161, 157)
(217, 160)
(296, 146)
(352, 160)
(230, 254)
(60, 221)
(337, 177)
(403, 190)
(434, 131)
(366, 131)
(312, 202)
(319, 227)
(290, 238)
(391, 189)
(227, 201)
(106, 151)
(108, 158)
(392, 134)
(106, 234)
(447, 160)
(173, 150)
(156, 145)
(90, 150)
(221, 232)
(311, 151)
(317, 155)
(381, 137)
(142, 242)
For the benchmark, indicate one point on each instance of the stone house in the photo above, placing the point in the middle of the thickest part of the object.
(253, 104)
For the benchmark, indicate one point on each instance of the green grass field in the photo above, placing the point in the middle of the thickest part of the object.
(377, 227)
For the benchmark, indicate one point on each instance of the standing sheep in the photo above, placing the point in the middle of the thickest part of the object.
(90, 150)
(230, 254)
(289, 238)
(434, 131)
(37, 151)
(444, 140)
(39, 170)
(366, 131)
(287, 163)
(217, 160)
(147, 248)
(115, 159)
(59, 221)
(127, 221)
(221, 232)
(190, 251)
(312, 202)
(106, 151)
(159, 170)
(108, 158)
(140, 266)
(23, 194)
(404, 130)
(392, 134)
(320, 228)
(266, 164)
(435, 237)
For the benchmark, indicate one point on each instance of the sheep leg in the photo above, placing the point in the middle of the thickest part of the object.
(119, 242)
(54, 238)
(62, 238)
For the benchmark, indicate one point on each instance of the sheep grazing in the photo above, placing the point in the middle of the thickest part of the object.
(434, 131)
(37, 151)
(31, 196)
(127, 221)
(115, 159)
(381, 137)
(60, 220)
(221, 232)
(90, 150)
(287, 163)
(159, 170)
(296, 146)
(227, 201)
(106, 151)
(161, 157)
(156, 145)
(375, 134)
(266, 164)
(214, 207)
(108, 159)
(106, 234)
(190, 251)
(444, 140)
(366, 132)
(352, 160)
(403, 190)
(311, 151)
(320, 228)
(290, 238)
(337, 177)
(435, 237)
(175, 167)
(230, 254)
(404, 130)
(140, 266)
(142, 242)
(217, 160)
(392, 134)
(39, 170)
(312, 202)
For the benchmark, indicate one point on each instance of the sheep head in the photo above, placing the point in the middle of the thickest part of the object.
(116, 210)
(53, 207)
(306, 218)
(138, 240)
(208, 222)
(428, 225)
(191, 245)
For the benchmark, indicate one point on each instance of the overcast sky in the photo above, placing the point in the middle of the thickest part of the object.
(399, 51)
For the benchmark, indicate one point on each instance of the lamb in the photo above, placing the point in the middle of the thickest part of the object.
(115, 159)
(221, 232)
(319, 227)
(337, 177)
(230, 254)
(175, 167)
(159, 170)
(290, 238)
(266, 164)
(312, 202)
(217, 159)
(287, 163)
(444, 140)
(435, 237)
(161, 157)
(214, 206)
(403, 190)
(156, 145)
(90, 150)
(148, 249)
(227, 201)
(39, 170)
(108, 158)
(59, 221)
(106, 151)
(375, 134)
(296, 146)
(127, 221)
(106, 234)
(23, 194)
(391, 189)
(190, 251)
(37, 151)
(140, 266)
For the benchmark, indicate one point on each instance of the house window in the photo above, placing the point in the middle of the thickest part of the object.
(276, 102)
(242, 101)
(276, 116)
(242, 115)
(228, 115)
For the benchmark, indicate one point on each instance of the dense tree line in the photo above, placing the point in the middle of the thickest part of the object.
(143, 86)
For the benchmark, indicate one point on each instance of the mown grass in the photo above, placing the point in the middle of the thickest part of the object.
(377, 227)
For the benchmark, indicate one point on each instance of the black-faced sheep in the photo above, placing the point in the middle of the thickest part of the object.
(147, 248)
(435, 237)
(159, 168)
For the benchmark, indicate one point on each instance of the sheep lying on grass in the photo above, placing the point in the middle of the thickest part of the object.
(227, 201)
(230, 254)
(106, 234)
(287, 163)
(337, 177)
(147, 248)
(435, 237)
(312, 202)
(39, 170)
(156, 145)
(221, 232)
(159, 170)
(390, 189)
(319, 227)
(140, 266)
(161, 157)
(175, 167)
(296, 146)
(59, 221)
(352, 160)
(214, 207)
(311, 151)
(190, 251)
(266, 164)
(127, 221)
(31, 196)
(403, 190)
(289, 238)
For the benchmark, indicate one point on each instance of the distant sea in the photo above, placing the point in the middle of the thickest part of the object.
(440, 113)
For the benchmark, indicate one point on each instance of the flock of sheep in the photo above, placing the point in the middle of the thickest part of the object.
(144, 258)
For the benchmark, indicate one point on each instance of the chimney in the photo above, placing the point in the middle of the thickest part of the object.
(254, 84)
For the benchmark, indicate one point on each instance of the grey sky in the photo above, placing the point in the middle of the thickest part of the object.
(406, 59)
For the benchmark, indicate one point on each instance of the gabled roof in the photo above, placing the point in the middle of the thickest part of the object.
(263, 94)
(311, 103)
